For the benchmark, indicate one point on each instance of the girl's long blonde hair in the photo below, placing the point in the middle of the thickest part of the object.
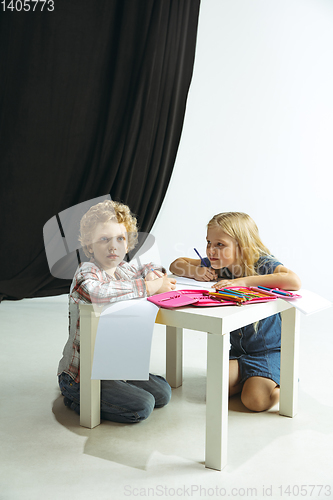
(244, 230)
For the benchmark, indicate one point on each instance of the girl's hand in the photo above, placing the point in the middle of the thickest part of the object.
(225, 283)
(205, 274)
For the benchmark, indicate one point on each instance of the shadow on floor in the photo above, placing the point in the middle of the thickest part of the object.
(178, 430)
(133, 445)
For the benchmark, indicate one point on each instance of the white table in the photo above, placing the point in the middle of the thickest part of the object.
(218, 322)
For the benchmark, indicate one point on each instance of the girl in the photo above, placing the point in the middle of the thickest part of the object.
(237, 257)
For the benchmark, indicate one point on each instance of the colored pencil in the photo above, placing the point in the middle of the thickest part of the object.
(202, 260)
(274, 290)
(226, 296)
(228, 290)
(155, 273)
(265, 293)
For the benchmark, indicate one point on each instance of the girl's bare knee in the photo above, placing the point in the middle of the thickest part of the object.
(259, 394)
(255, 401)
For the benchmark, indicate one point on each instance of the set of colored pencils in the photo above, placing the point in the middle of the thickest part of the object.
(240, 295)
(227, 295)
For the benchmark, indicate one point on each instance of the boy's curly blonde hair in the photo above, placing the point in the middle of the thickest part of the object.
(104, 212)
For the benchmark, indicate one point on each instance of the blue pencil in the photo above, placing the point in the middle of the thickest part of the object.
(233, 292)
(202, 261)
(264, 288)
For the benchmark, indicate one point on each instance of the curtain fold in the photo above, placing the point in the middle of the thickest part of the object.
(93, 97)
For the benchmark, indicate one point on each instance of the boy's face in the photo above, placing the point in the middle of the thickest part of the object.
(221, 248)
(109, 245)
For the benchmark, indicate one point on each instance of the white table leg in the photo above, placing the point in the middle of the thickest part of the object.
(174, 356)
(289, 362)
(90, 390)
(217, 400)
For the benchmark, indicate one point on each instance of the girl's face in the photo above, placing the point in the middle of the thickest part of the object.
(109, 245)
(221, 248)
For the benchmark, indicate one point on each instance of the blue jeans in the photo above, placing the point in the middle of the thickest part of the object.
(125, 402)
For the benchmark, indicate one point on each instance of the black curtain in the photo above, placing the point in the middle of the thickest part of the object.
(92, 96)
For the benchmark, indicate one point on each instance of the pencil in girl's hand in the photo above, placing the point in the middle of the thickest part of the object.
(202, 260)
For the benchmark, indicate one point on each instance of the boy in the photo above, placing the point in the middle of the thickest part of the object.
(107, 232)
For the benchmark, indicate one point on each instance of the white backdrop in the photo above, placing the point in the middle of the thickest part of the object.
(258, 134)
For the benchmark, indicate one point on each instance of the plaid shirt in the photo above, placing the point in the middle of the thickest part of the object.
(93, 285)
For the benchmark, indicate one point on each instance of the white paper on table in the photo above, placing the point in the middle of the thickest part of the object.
(190, 283)
(123, 341)
(310, 302)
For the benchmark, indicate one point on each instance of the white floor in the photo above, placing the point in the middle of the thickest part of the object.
(44, 453)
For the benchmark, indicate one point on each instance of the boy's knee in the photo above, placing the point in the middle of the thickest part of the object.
(139, 410)
(163, 397)
(145, 408)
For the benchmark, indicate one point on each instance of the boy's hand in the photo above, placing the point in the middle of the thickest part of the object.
(205, 274)
(160, 285)
(153, 275)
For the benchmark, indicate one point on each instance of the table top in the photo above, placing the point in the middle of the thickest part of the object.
(223, 319)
